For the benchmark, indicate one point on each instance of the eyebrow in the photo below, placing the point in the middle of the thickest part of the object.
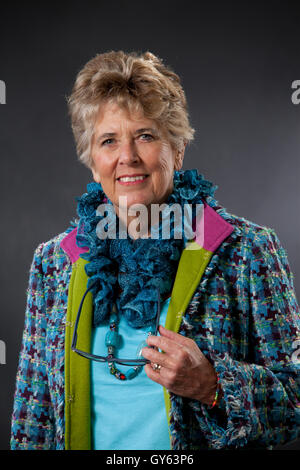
(147, 129)
(107, 135)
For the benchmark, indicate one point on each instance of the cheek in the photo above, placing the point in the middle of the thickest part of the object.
(165, 168)
(162, 179)
(163, 163)
(103, 165)
(168, 159)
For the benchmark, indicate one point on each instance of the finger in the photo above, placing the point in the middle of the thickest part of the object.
(176, 337)
(159, 358)
(164, 377)
(165, 344)
(180, 355)
(155, 376)
(186, 343)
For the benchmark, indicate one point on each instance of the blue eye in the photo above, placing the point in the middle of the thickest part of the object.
(149, 136)
(107, 141)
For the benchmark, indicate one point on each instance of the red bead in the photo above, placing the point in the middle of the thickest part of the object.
(122, 377)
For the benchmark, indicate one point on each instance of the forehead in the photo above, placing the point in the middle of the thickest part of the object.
(112, 116)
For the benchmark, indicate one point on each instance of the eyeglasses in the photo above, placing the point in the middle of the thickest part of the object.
(111, 358)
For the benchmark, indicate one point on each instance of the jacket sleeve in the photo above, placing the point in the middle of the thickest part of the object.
(261, 402)
(32, 418)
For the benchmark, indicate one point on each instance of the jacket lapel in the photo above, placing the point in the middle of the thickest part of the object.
(210, 233)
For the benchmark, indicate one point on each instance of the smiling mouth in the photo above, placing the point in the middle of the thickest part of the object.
(132, 179)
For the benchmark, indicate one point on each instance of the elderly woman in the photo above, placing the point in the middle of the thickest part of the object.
(139, 337)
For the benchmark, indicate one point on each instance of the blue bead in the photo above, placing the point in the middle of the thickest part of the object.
(113, 318)
(112, 339)
(131, 373)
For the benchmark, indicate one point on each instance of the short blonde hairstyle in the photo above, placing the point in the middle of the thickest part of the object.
(135, 82)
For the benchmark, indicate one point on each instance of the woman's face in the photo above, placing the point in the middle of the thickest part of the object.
(132, 146)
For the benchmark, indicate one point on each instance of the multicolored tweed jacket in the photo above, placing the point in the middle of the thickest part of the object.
(243, 314)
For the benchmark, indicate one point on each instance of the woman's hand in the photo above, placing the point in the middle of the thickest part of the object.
(184, 370)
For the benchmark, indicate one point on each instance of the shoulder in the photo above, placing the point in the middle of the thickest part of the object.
(251, 232)
(49, 255)
(254, 239)
(253, 255)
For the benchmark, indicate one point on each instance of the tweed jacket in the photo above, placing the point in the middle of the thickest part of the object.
(243, 315)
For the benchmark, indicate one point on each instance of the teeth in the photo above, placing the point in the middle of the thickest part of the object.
(134, 178)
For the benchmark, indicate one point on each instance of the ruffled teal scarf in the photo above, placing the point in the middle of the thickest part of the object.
(128, 272)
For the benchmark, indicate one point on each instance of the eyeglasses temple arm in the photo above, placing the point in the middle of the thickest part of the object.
(158, 312)
(74, 339)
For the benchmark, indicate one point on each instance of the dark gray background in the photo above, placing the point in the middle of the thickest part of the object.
(237, 61)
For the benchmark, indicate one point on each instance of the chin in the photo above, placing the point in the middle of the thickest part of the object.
(131, 200)
(138, 202)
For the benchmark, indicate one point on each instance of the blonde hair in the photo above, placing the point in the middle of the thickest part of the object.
(135, 82)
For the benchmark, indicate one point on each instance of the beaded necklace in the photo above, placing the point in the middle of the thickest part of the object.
(112, 341)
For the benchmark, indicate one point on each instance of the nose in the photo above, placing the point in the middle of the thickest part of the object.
(128, 153)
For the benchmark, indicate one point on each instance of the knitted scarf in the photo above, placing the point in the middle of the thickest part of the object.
(127, 272)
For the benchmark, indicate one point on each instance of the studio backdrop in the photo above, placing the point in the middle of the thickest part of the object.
(239, 65)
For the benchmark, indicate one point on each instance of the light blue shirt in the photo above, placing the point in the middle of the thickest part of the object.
(127, 414)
